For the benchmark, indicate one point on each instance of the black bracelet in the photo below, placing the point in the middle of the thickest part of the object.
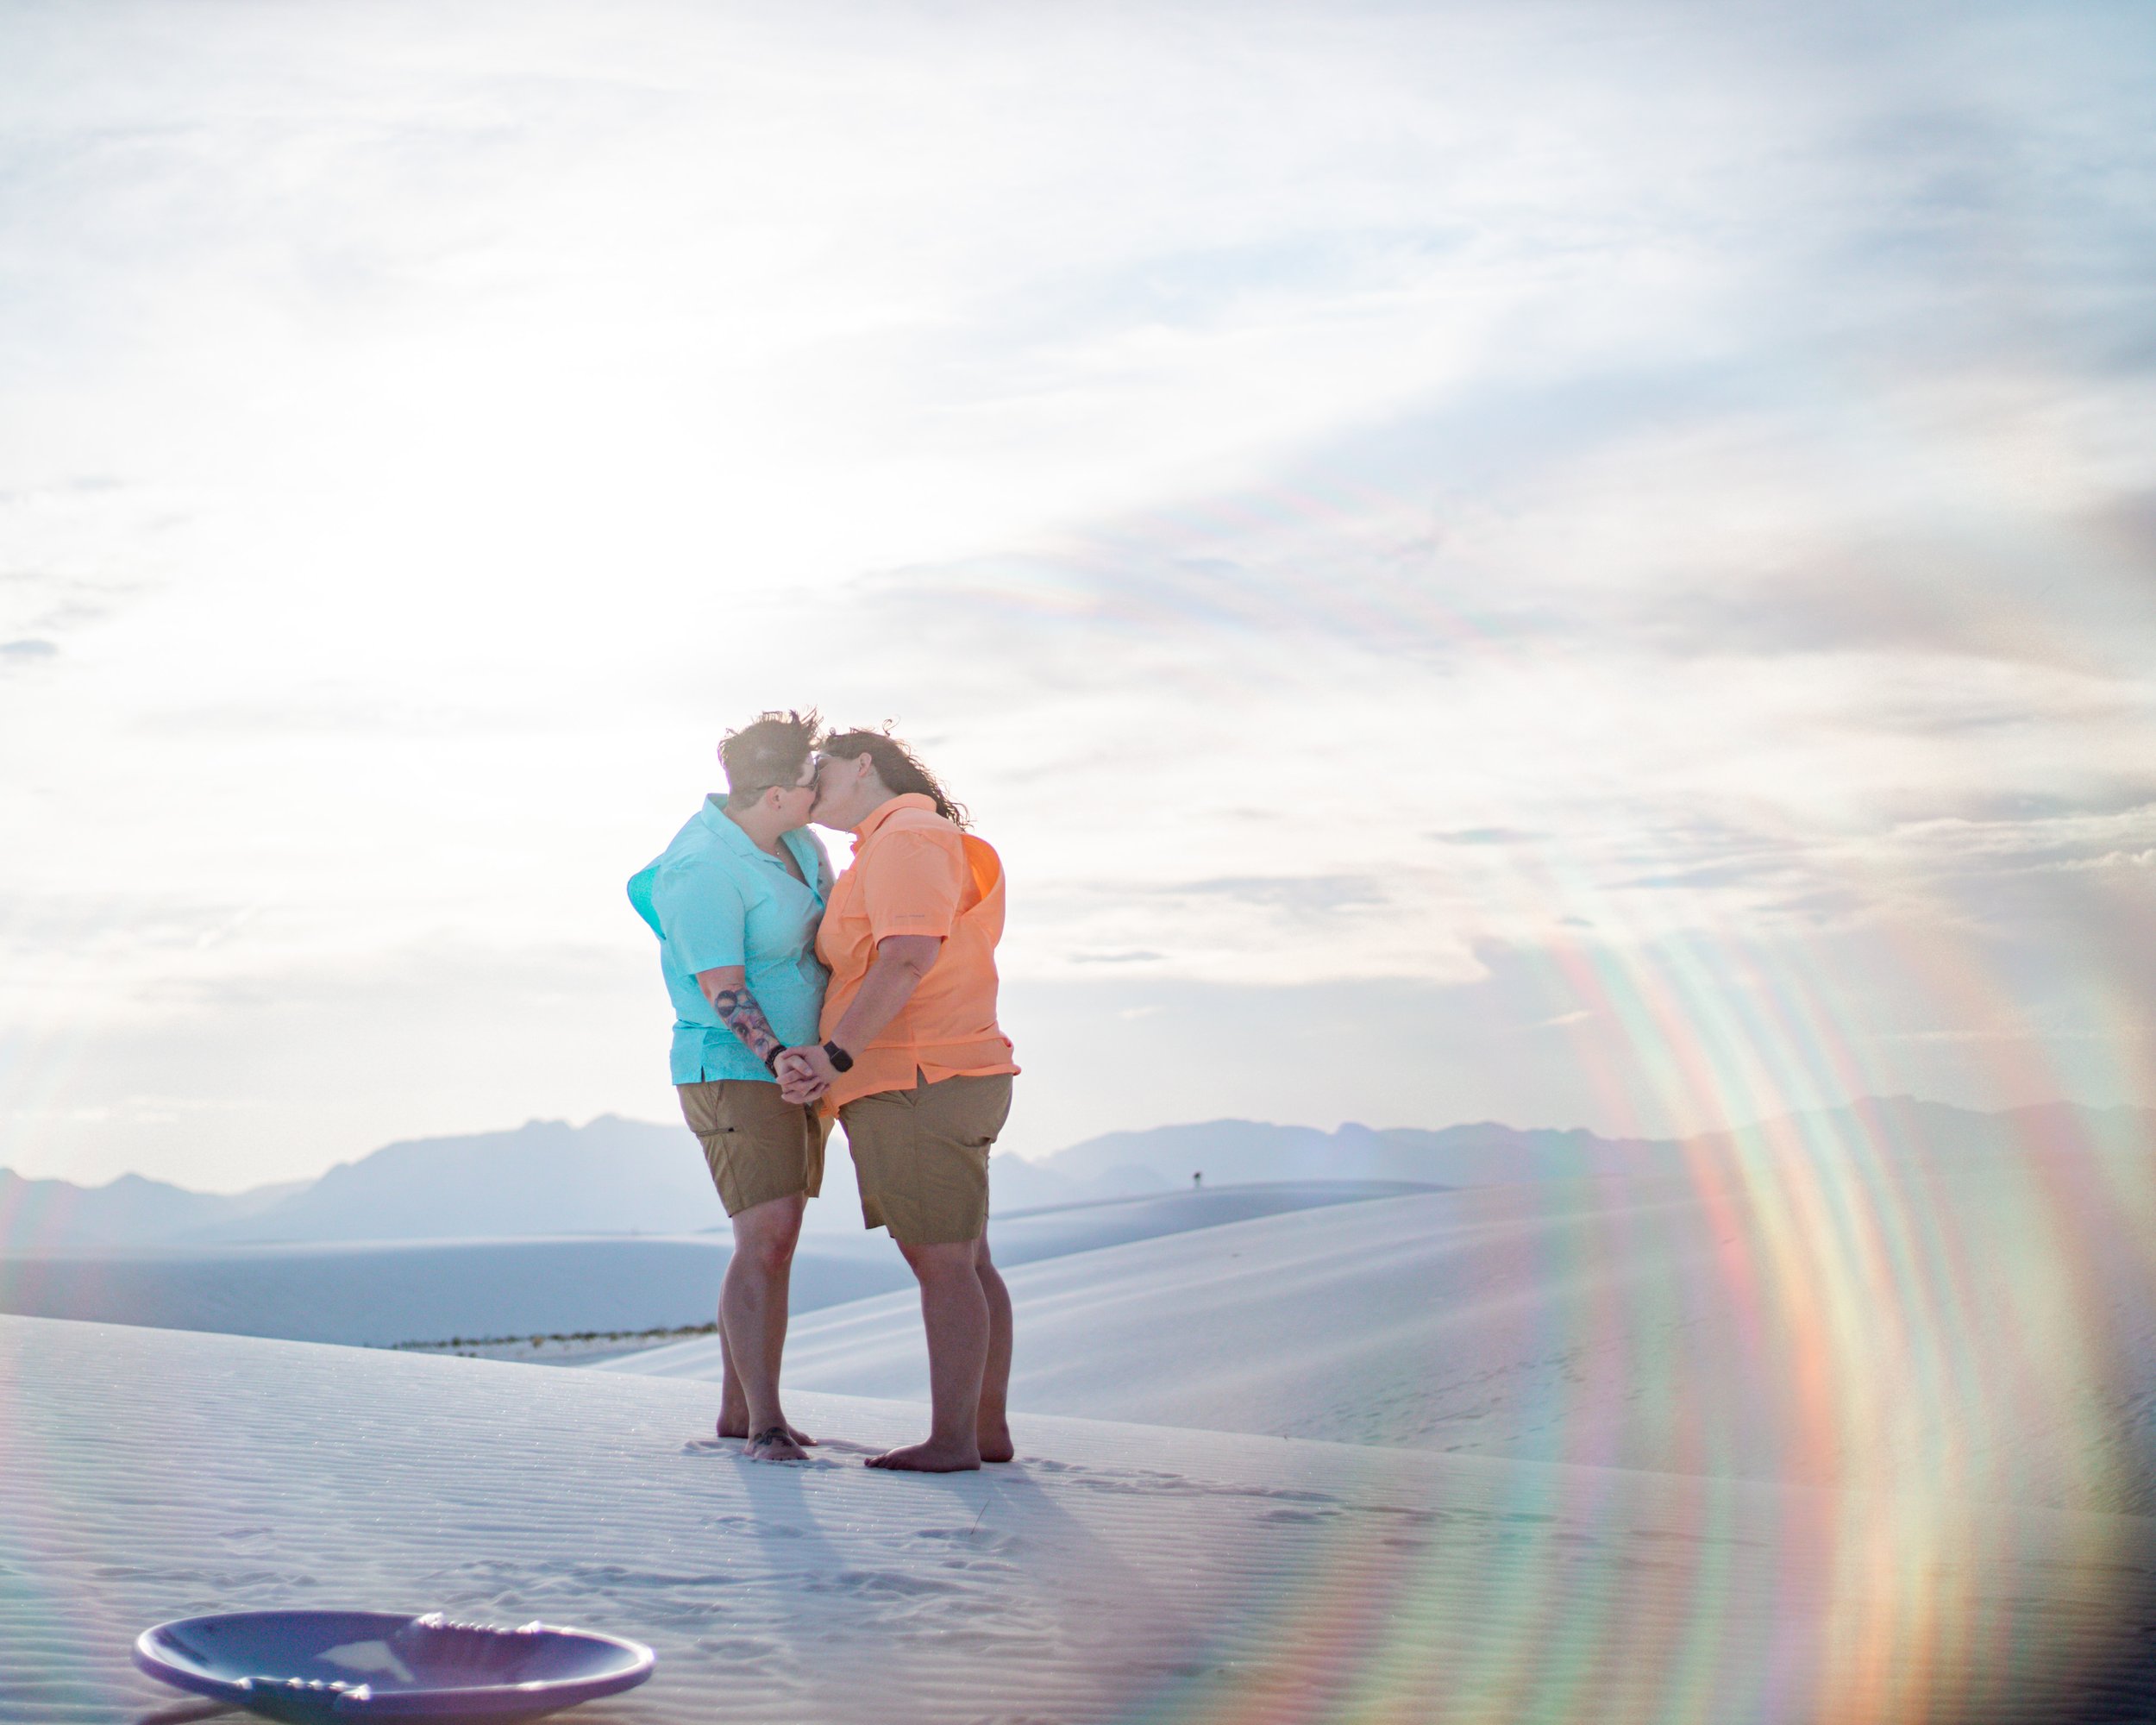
(772, 1059)
(841, 1061)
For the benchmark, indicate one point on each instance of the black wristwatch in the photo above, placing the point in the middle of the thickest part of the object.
(841, 1061)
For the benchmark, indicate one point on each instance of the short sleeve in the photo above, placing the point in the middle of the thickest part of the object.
(914, 885)
(640, 885)
(702, 917)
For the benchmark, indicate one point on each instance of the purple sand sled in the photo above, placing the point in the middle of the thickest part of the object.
(306, 1666)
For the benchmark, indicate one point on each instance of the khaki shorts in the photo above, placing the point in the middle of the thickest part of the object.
(922, 1157)
(758, 1147)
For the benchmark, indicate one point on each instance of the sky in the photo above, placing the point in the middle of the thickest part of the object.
(1572, 564)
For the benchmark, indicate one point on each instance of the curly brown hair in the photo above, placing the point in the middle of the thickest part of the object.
(899, 766)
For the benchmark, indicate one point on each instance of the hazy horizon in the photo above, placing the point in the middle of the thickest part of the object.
(842, 1191)
(1538, 563)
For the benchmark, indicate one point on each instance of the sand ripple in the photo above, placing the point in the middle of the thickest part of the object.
(1115, 1572)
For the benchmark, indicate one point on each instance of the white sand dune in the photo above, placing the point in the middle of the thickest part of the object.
(1057, 1230)
(382, 1292)
(1612, 1322)
(1113, 1572)
(379, 1293)
(1024, 1235)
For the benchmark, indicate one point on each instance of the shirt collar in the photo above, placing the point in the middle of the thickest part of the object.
(729, 832)
(904, 800)
(717, 819)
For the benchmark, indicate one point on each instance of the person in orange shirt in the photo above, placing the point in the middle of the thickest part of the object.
(917, 1068)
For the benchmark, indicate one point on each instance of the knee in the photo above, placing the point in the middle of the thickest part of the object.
(765, 1257)
(939, 1264)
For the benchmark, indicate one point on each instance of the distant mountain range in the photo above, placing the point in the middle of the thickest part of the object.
(1488, 1154)
(618, 1176)
(546, 1177)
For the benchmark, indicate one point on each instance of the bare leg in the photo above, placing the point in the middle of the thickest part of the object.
(955, 1311)
(993, 1424)
(752, 1315)
(733, 1405)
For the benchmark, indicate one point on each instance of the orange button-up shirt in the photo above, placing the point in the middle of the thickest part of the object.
(914, 872)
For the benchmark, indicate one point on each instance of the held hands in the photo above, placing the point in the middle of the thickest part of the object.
(805, 1073)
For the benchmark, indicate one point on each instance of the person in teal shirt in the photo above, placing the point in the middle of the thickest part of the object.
(736, 901)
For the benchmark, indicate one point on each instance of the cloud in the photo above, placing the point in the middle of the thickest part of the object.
(1383, 510)
(217, 1074)
(2126, 520)
(355, 711)
(1728, 872)
(1300, 896)
(65, 584)
(1487, 834)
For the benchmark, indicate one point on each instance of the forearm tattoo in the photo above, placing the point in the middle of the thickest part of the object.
(738, 1011)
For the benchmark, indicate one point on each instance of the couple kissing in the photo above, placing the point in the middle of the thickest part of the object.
(869, 997)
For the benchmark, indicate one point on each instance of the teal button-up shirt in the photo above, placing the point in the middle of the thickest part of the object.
(713, 899)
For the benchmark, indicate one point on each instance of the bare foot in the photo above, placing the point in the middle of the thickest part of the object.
(995, 1443)
(774, 1443)
(929, 1458)
(728, 1426)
